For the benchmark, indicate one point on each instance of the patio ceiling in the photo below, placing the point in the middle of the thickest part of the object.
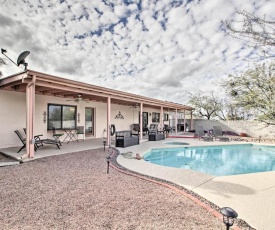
(50, 85)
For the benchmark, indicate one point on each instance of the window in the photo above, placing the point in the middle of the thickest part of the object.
(61, 116)
(155, 117)
(165, 116)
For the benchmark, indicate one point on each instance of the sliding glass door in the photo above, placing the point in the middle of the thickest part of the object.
(89, 121)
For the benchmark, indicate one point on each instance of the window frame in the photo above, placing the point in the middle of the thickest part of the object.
(61, 106)
(155, 117)
(165, 117)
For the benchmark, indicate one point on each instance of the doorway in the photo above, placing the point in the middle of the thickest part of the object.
(89, 121)
(144, 120)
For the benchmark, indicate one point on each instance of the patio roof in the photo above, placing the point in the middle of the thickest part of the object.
(50, 85)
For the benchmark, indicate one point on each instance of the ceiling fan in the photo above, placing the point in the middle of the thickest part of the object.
(135, 106)
(77, 99)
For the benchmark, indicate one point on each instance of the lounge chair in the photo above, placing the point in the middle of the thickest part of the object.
(37, 138)
(22, 139)
(217, 133)
(38, 142)
(199, 132)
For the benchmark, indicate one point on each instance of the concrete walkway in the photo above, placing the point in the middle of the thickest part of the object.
(251, 195)
(52, 150)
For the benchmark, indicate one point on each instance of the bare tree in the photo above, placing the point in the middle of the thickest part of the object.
(206, 105)
(258, 32)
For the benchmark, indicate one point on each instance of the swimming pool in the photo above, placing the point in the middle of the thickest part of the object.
(217, 160)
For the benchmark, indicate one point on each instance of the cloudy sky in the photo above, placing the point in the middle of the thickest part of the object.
(155, 48)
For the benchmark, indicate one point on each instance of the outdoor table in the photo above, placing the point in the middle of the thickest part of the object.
(70, 134)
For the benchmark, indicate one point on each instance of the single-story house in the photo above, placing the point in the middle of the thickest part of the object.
(39, 101)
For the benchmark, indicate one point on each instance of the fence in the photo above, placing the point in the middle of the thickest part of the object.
(252, 128)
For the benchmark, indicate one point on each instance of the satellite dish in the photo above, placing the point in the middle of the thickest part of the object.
(21, 59)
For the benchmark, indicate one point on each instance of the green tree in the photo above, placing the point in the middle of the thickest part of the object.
(259, 33)
(254, 91)
(236, 112)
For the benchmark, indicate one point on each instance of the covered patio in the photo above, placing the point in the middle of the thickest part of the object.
(35, 84)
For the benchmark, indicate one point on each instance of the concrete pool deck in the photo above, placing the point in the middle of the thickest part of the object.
(251, 195)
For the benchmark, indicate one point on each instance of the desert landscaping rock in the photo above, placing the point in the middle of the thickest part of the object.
(73, 191)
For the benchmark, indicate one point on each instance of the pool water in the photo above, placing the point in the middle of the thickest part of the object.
(217, 160)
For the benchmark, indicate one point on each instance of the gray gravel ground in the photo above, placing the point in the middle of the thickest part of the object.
(73, 191)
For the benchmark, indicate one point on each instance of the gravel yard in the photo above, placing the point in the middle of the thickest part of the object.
(73, 191)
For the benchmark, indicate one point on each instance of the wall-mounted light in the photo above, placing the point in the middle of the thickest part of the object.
(78, 117)
(119, 116)
(45, 117)
(150, 114)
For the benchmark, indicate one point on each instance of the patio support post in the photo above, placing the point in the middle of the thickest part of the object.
(191, 120)
(176, 121)
(184, 121)
(30, 101)
(108, 121)
(141, 122)
(161, 118)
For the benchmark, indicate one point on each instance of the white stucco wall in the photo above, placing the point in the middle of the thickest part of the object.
(13, 116)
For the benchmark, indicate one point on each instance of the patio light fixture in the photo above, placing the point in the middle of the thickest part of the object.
(104, 144)
(78, 117)
(108, 158)
(228, 216)
(45, 116)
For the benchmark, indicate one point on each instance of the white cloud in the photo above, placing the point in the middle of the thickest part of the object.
(155, 48)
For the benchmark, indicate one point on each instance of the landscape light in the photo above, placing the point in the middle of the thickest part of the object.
(229, 216)
(108, 158)
(104, 144)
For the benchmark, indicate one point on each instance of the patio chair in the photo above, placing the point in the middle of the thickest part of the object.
(166, 128)
(80, 131)
(217, 133)
(37, 138)
(153, 128)
(136, 129)
(38, 142)
(199, 132)
(57, 135)
(23, 140)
